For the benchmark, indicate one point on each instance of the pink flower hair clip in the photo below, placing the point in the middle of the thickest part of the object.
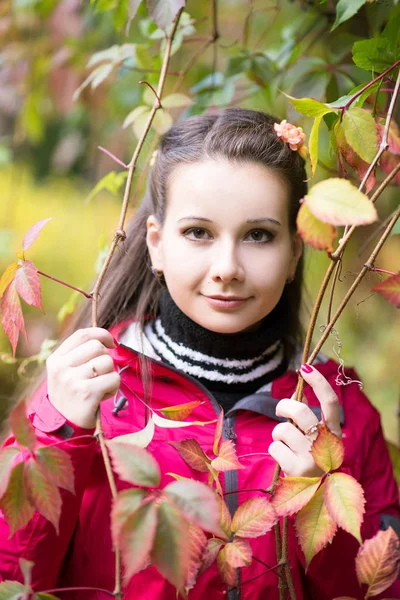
(292, 135)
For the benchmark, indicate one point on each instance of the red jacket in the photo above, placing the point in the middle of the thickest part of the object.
(81, 555)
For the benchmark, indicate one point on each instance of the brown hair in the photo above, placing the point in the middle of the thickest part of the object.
(130, 290)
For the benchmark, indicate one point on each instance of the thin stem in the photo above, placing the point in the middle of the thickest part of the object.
(335, 278)
(111, 155)
(78, 437)
(281, 569)
(368, 265)
(368, 85)
(285, 561)
(375, 233)
(72, 287)
(376, 270)
(76, 589)
(247, 490)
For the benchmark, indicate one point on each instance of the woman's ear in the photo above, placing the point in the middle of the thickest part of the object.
(297, 251)
(154, 242)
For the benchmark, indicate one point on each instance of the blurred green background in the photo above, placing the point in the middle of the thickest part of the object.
(50, 163)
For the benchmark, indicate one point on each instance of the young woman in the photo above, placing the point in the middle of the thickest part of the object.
(207, 287)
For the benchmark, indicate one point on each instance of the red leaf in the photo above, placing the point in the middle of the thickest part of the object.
(33, 232)
(57, 466)
(15, 504)
(43, 494)
(390, 289)
(378, 561)
(197, 551)
(218, 432)
(170, 553)
(21, 426)
(393, 136)
(228, 573)
(254, 517)
(136, 538)
(134, 464)
(27, 284)
(197, 502)
(344, 499)
(193, 454)
(227, 459)
(124, 506)
(314, 232)
(7, 456)
(238, 553)
(180, 411)
(214, 545)
(11, 316)
(353, 159)
(225, 516)
(314, 525)
(327, 450)
(292, 493)
(8, 277)
(387, 163)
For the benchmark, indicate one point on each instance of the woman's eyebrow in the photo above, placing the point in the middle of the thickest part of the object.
(263, 220)
(194, 218)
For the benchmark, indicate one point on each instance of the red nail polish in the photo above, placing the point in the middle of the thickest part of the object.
(307, 368)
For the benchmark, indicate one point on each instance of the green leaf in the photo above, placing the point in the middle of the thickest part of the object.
(115, 54)
(112, 182)
(140, 123)
(43, 494)
(176, 100)
(162, 121)
(124, 506)
(163, 12)
(359, 101)
(392, 32)
(136, 538)
(346, 9)
(44, 596)
(360, 132)
(238, 64)
(171, 548)
(95, 78)
(254, 517)
(375, 54)
(134, 464)
(21, 426)
(11, 590)
(344, 499)
(179, 412)
(338, 202)
(134, 114)
(57, 466)
(310, 107)
(132, 10)
(313, 144)
(198, 503)
(15, 505)
(7, 456)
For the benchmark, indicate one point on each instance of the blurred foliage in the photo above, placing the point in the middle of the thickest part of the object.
(69, 82)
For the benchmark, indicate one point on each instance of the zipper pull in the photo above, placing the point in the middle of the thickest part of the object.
(230, 429)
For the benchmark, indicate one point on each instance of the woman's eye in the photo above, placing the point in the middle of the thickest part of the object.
(260, 235)
(197, 233)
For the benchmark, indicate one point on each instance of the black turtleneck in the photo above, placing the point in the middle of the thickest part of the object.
(230, 366)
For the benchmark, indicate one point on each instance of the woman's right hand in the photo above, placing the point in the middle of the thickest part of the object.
(81, 374)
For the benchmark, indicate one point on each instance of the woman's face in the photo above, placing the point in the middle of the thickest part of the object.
(225, 247)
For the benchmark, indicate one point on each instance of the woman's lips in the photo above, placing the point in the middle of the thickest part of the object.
(227, 302)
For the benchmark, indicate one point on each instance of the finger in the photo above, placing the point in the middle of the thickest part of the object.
(300, 413)
(284, 456)
(83, 335)
(84, 353)
(292, 437)
(103, 386)
(326, 396)
(101, 365)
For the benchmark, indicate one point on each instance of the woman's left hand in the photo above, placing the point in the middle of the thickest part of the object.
(291, 446)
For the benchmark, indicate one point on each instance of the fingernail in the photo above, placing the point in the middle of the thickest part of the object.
(307, 368)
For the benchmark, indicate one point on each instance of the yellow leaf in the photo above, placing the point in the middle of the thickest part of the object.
(344, 499)
(7, 277)
(314, 232)
(327, 450)
(378, 561)
(292, 493)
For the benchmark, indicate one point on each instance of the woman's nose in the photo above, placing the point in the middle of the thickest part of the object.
(226, 265)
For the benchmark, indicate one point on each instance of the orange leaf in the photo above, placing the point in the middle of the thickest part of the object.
(254, 517)
(314, 525)
(11, 316)
(228, 573)
(193, 454)
(57, 466)
(7, 277)
(238, 553)
(33, 232)
(218, 432)
(393, 136)
(227, 459)
(197, 551)
(170, 552)
(344, 499)
(292, 493)
(7, 456)
(43, 494)
(390, 289)
(27, 284)
(21, 426)
(136, 538)
(15, 504)
(180, 411)
(378, 562)
(226, 519)
(214, 545)
(327, 450)
(314, 232)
